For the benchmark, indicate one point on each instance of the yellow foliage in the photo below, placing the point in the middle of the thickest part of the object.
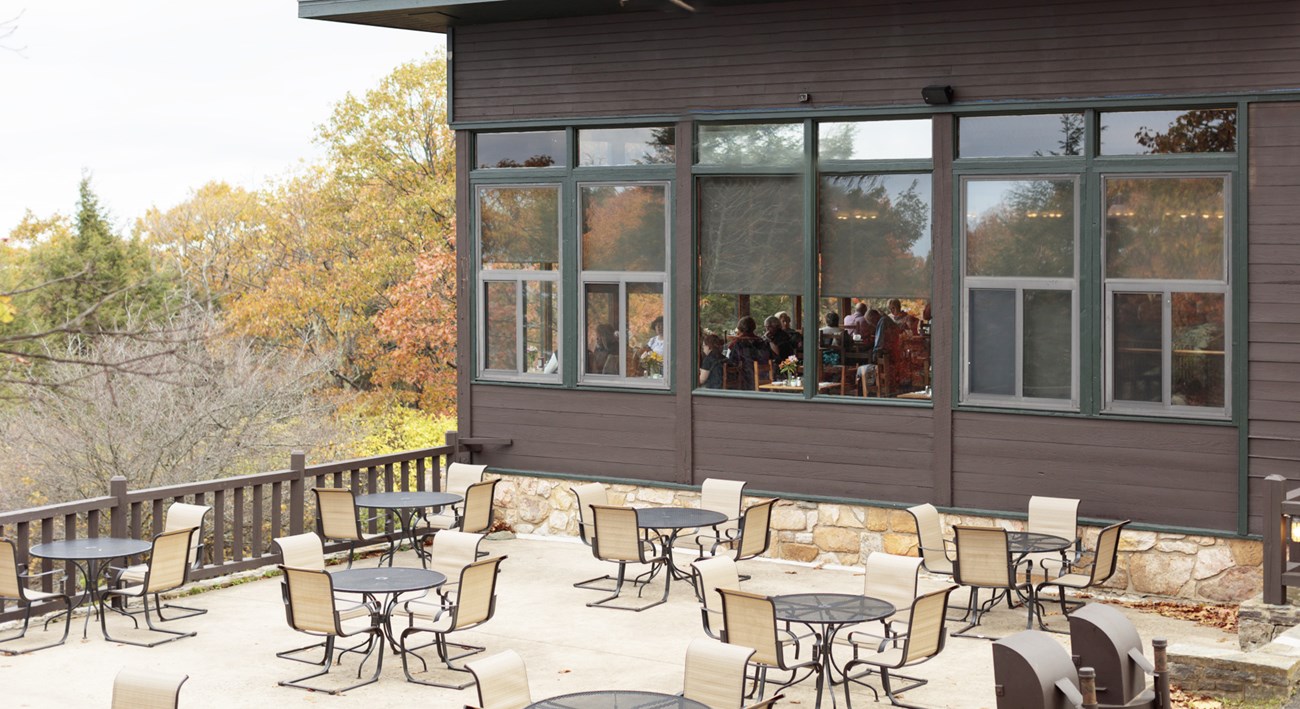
(399, 428)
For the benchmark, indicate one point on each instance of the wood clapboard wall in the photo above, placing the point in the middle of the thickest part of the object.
(870, 52)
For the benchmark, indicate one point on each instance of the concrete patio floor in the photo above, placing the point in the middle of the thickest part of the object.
(567, 646)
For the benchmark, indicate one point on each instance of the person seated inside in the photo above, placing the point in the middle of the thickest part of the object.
(832, 324)
(656, 342)
(902, 318)
(711, 367)
(746, 348)
(795, 336)
(603, 357)
(852, 319)
(778, 339)
(886, 346)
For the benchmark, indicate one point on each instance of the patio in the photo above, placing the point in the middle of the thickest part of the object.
(567, 646)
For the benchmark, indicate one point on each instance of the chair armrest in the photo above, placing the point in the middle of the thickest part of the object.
(25, 575)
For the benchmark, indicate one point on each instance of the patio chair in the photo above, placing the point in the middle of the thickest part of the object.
(168, 569)
(724, 497)
(1059, 517)
(13, 587)
(1096, 572)
(588, 495)
(715, 673)
(925, 638)
(337, 520)
(933, 548)
(619, 540)
(891, 578)
(475, 604)
(305, 551)
(750, 621)
(709, 575)
(459, 477)
(450, 553)
(477, 517)
(314, 610)
(984, 561)
(752, 537)
(141, 689)
(502, 681)
(179, 516)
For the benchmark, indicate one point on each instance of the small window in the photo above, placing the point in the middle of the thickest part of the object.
(737, 145)
(1031, 136)
(519, 228)
(1204, 130)
(600, 147)
(875, 140)
(528, 149)
(1165, 228)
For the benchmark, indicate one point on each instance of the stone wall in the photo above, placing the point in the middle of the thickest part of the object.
(1184, 566)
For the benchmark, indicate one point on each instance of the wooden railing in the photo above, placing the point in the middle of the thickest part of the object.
(248, 511)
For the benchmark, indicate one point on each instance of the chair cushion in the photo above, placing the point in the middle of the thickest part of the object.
(39, 595)
(134, 574)
(1072, 580)
(442, 520)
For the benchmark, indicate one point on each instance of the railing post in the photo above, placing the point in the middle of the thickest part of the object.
(1274, 533)
(297, 492)
(1088, 687)
(452, 439)
(121, 508)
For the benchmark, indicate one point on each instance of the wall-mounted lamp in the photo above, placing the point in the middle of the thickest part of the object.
(937, 94)
(1295, 530)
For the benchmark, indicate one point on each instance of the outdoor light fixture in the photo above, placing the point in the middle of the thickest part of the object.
(1295, 529)
(937, 94)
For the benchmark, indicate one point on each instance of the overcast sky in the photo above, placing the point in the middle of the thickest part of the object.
(157, 97)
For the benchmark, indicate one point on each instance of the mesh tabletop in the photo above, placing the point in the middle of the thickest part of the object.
(677, 518)
(407, 500)
(394, 579)
(92, 548)
(618, 699)
(1029, 542)
(830, 608)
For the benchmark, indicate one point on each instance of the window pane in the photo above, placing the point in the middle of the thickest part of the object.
(1139, 370)
(875, 236)
(623, 227)
(601, 301)
(874, 140)
(520, 227)
(530, 149)
(751, 235)
(499, 320)
(718, 313)
(993, 342)
(1165, 227)
(647, 343)
(1021, 136)
(1198, 359)
(751, 144)
(627, 146)
(541, 322)
(1020, 228)
(1048, 344)
(1205, 130)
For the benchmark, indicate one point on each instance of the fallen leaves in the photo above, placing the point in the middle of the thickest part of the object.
(1223, 617)
(1183, 700)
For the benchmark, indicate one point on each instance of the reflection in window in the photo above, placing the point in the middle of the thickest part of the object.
(1043, 135)
(1197, 369)
(527, 149)
(1186, 368)
(1020, 228)
(500, 320)
(623, 227)
(1165, 227)
(626, 146)
(992, 342)
(1047, 370)
(519, 227)
(875, 140)
(1204, 130)
(751, 144)
(541, 327)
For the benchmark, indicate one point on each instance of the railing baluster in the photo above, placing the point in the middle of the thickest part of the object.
(237, 521)
(277, 501)
(258, 517)
(388, 478)
(218, 527)
(156, 517)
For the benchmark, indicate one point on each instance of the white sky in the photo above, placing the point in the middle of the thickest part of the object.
(158, 97)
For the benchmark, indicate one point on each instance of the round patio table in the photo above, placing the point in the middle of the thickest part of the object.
(675, 519)
(825, 614)
(406, 506)
(617, 699)
(391, 582)
(94, 551)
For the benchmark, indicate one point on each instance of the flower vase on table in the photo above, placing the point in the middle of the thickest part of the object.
(790, 369)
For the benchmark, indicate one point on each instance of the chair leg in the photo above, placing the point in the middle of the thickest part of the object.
(329, 663)
(607, 602)
(188, 611)
(976, 613)
(27, 616)
(440, 644)
(148, 619)
(913, 683)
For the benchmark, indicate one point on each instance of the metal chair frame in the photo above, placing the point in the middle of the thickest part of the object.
(27, 598)
(588, 495)
(1105, 560)
(159, 578)
(968, 573)
(331, 629)
(917, 623)
(753, 535)
(179, 516)
(329, 528)
(766, 640)
(468, 611)
(630, 545)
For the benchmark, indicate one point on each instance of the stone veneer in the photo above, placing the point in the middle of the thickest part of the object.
(1186, 566)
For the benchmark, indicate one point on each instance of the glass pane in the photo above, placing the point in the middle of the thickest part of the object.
(1048, 345)
(627, 146)
(647, 343)
(602, 315)
(1020, 228)
(1139, 364)
(1198, 361)
(751, 235)
(519, 227)
(1204, 130)
(875, 236)
(1035, 136)
(1165, 227)
(499, 320)
(751, 144)
(718, 313)
(530, 149)
(624, 227)
(993, 342)
(541, 328)
(875, 140)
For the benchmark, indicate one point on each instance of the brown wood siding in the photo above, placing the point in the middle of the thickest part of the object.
(870, 52)
(1274, 319)
(1158, 473)
(816, 448)
(609, 434)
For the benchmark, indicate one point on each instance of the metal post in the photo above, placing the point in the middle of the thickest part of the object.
(297, 491)
(1160, 648)
(1088, 687)
(1274, 533)
(121, 508)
